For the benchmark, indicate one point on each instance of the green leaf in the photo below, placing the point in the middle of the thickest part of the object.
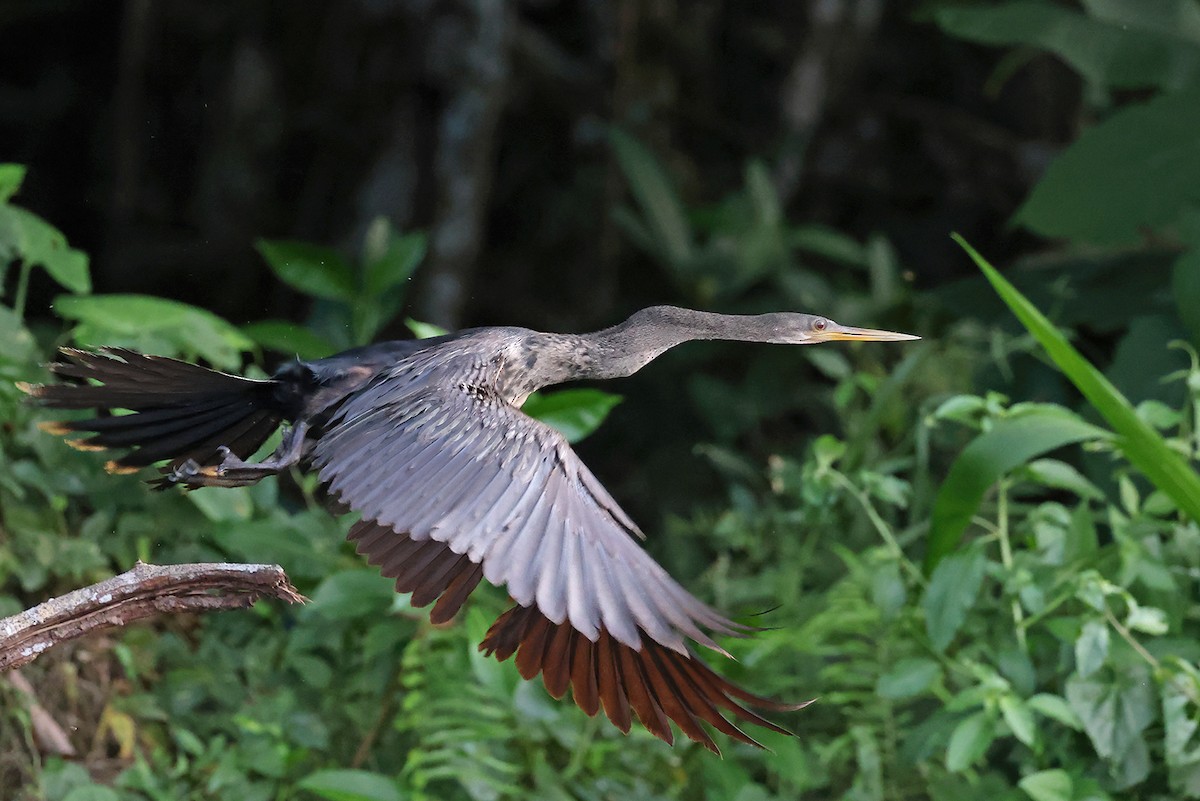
(1181, 719)
(1148, 620)
(1117, 53)
(11, 177)
(27, 236)
(664, 219)
(1056, 708)
(152, 324)
(969, 740)
(951, 593)
(1048, 785)
(1114, 716)
(907, 678)
(351, 785)
(1138, 169)
(1139, 442)
(1091, 648)
(1060, 475)
(314, 270)
(1019, 718)
(1010, 443)
(294, 340)
(396, 263)
(422, 330)
(352, 594)
(575, 413)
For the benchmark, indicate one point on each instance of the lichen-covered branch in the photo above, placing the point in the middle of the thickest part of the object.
(142, 592)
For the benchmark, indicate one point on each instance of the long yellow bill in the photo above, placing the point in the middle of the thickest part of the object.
(836, 332)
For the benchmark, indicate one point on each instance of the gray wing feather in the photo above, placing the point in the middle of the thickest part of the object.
(470, 471)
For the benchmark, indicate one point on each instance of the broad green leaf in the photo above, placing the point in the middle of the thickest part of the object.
(26, 236)
(951, 593)
(1138, 169)
(1019, 718)
(150, 324)
(1140, 443)
(1091, 648)
(11, 177)
(1181, 719)
(351, 785)
(907, 678)
(970, 738)
(1114, 715)
(1116, 53)
(289, 338)
(1056, 708)
(353, 594)
(575, 413)
(1048, 785)
(663, 213)
(1010, 443)
(229, 505)
(314, 270)
(396, 264)
(1175, 18)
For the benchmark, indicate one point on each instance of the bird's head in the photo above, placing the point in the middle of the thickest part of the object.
(809, 329)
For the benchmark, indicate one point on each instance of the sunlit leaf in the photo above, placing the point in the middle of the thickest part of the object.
(575, 413)
(11, 177)
(147, 323)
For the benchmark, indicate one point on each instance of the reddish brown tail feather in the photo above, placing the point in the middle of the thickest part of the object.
(657, 683)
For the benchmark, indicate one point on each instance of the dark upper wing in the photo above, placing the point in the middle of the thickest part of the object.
(460, 466)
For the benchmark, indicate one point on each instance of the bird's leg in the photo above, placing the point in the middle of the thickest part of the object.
(235, 472)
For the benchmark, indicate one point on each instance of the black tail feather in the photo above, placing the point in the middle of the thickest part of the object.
(176, 410)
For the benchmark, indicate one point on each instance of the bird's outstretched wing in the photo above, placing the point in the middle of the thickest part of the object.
(454, 485)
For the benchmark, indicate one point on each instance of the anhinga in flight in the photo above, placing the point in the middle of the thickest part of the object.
(425, 439)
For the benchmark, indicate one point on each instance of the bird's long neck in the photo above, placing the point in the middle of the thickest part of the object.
(629, 346)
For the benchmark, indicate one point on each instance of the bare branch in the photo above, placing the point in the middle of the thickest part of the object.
(142, 592)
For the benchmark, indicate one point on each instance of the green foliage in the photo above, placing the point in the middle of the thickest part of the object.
(353, 303)
(989, 597)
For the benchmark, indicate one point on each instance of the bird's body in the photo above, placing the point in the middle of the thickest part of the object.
(454, 484)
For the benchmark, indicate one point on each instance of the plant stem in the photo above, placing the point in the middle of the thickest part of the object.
(1006, 559)
(880, 525)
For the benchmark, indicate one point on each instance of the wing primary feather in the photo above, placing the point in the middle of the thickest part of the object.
(556, 664)
(533, 646)
(583, 676)
(663, 691)
(456, 594)
(640, 698)
(611, 684)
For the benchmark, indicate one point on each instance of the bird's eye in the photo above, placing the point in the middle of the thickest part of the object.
(819, 324)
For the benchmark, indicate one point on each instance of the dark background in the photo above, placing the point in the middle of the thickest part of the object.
(163, 138)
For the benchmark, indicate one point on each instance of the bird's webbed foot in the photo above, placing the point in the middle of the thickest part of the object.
(233, 471)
